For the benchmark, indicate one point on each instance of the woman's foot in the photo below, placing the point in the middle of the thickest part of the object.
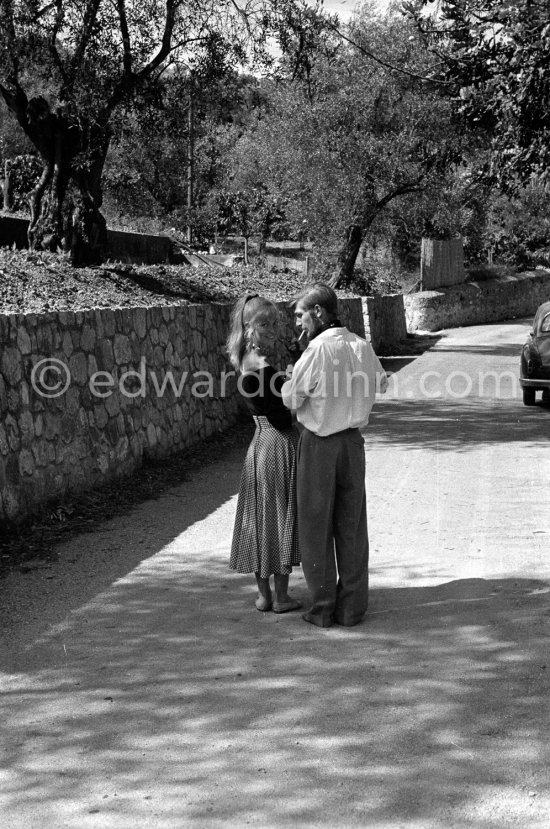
(263, 604)
(264, 601)
(286, 606)
(283, 602)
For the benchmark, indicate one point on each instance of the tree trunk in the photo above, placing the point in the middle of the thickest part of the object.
(88, 241)
(46, 227)
(65, 204)
(348, 256)
(363, 219)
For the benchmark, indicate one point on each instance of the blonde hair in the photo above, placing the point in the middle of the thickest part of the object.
(248, 309)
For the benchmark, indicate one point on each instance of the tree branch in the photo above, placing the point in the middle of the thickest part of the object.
(130, 79)
(408, 187)
(53, 39)
(90, 15)
(242, 14)
(127, 51)
(385, 64)
(7, 34)
(166, 43)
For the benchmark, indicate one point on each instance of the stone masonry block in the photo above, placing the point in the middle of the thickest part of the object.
(163, 334)
(4, 447)
(87, 338)
(105, 355)
(67, 344)
(109, 323)
(3, 395)
(78, 368)
(26, 462)
(11, 366)
(140, 322)
(23, 341)
(122, 349)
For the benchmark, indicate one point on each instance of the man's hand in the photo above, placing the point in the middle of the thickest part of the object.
(381, 382)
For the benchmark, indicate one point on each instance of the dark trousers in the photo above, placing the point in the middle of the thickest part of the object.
(332, 525)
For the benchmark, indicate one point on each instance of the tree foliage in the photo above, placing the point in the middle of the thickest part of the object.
(518, 230)
(147, 168)
(494, 64)
(23, 171)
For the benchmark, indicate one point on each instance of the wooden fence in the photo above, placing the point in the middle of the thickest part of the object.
(441, 263)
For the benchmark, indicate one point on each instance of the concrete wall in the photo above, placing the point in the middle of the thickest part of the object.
(475, 303)
(13, 231)
(86, 395)
(296, 265)
(142, 248)
(384, 318)
(441, 263)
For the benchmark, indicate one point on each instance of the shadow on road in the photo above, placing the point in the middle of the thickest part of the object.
(42, 591)
(431, 702)
(492, 350)
(457, 425)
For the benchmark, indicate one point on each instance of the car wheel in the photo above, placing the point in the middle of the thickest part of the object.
(529, 397)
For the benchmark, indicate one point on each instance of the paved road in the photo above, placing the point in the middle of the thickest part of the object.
(140, 688)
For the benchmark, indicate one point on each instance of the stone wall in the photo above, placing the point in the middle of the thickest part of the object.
(384, 318)
(475, 303)
(85, 396)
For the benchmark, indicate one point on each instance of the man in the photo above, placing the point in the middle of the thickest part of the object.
(332, 388)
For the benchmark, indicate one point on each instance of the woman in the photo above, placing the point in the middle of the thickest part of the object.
(265, 538)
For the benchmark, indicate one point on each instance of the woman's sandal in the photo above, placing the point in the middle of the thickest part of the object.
(286, 607)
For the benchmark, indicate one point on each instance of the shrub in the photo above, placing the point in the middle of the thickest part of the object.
(519, 229)
(24, 170)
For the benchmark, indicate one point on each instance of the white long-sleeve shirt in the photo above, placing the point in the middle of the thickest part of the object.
(334, 383)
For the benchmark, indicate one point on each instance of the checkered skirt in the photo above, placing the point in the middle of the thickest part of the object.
(265, 536)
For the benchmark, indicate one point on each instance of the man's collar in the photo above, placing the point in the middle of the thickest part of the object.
(326, 327)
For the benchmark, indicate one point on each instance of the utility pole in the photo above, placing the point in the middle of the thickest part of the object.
(7, 187)
(190, 158)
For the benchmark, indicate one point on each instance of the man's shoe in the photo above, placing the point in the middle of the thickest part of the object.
(317, 620)
(348, 623)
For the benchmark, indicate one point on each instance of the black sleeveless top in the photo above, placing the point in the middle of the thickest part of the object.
(261, 391)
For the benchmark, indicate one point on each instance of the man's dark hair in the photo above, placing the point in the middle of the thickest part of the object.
(318, 294)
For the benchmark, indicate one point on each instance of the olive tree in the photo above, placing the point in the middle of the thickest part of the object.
(67, 65)
(363, 127)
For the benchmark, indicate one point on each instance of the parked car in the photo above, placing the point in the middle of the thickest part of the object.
(534, 372)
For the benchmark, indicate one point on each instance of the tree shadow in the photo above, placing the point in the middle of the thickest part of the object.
(118, 535)
(494, 350)
(413, 346)
(456, 425)
(171, 687)
(392, 365)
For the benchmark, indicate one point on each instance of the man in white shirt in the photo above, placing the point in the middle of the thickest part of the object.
(332, 388)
